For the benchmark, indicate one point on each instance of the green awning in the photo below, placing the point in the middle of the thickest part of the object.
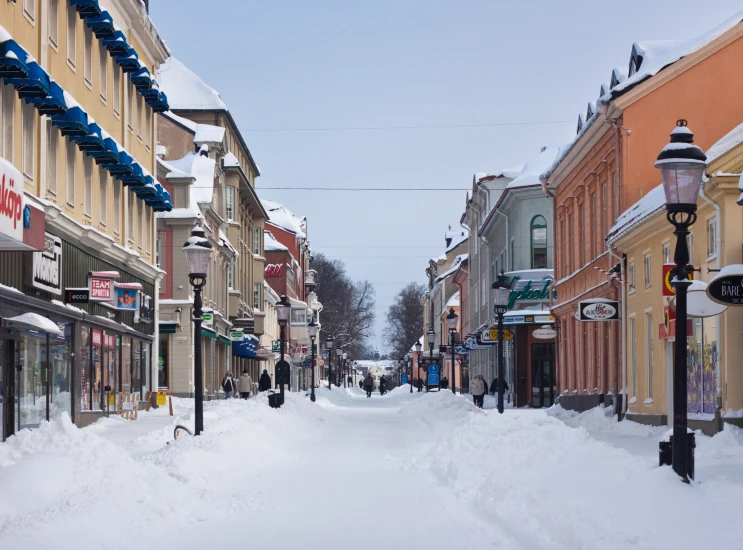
(167, 328)
(208, 333)
(224, 340)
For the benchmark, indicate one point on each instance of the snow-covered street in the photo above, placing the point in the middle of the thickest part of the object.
(399, 471)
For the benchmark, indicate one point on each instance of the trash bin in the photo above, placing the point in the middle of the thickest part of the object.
(664, 454)
(274, 399)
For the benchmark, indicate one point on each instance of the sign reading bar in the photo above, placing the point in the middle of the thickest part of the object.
(727, 286)
(599, 310)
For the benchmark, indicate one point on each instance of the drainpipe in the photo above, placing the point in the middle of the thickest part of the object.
(487, 306)
(622, 345)
(718, 247)
(499, 211)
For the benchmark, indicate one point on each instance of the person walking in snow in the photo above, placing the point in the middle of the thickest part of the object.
(368, 385)
(420, 384)
(382, 385)
(494, 387)
(228, 384)
(264, 382)
(361, 384)
(246, 384)
(478, 389)
(444, 383)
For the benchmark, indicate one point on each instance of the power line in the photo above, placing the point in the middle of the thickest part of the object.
(416, 127)
(384, 189)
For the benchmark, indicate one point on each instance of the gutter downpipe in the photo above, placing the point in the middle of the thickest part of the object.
(484, 241)
(624, 336)
(545, 187)
(718, 246)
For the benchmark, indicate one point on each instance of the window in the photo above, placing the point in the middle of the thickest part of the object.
(8, 118)
(633, 355)
(29, 138)
(257, 240)
(604, 215)
(148, 127)
(511, 263)
(117, 89)
(140, 219)
(649, 350)
(631, 277)
(88, 55)
(231, 276)
(103, 196)
(129, 104)
(690, 245)
(51, 164)
(70, 182)
(53, 23)
(257, 300)
(160, 252)
(139, 114)
(594, 215)
(666, 253)
(648, 274)
(71, 36)
(229, 202)
(539, 242)
(711, 237)
(88, 190)
(581, 242)
(103, 67)
(117, 208)
(503, 265)
(563, 245)
(130, 217)
(29, 9)
(148, 229)
(299, 316)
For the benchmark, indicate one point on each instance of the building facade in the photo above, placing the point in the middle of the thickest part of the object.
(78, 105)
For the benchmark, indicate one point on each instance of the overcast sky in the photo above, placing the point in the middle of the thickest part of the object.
(308, 67)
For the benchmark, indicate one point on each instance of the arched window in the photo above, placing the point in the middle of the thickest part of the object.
(538, 243)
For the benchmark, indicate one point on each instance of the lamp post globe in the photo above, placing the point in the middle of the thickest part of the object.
(198, 253)
(499, 292)
(682, 165)
(283, 310)
(312, 328)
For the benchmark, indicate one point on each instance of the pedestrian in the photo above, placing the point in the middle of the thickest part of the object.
(264, 382)
(246, 384)
(382, 385)
(350, 380)
(420, 384)
(478, 389)
(228, 384)
(444, 383)
(494, 387)
(361, 384)
(368, 385)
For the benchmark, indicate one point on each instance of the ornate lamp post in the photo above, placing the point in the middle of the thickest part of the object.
(283, 309)
(431, 335)
(451, 323)
(312, 328)
(499, 292)
(198, 256)
(345, 369)
(682, 166)
(339, 353)
(329, 341)
(418, 348)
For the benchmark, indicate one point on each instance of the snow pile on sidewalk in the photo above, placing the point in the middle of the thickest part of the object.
(549, 485)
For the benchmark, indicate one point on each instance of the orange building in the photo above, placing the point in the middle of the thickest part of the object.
(610, 166)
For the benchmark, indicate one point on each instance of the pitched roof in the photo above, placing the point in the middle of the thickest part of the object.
(185, 89)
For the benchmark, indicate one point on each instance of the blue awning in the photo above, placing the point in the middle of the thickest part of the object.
(13, 60)
(109, 154)
(147, 189)
(72, 123)
(246, 349)
(92, 141)
(141, 78)
(135, 177)
(129, 62)
(34, 84)
(53, 104)
(102, 26)
(123, 167)
(116, 45)
(151, 93)
(159, 105)
(86, 8)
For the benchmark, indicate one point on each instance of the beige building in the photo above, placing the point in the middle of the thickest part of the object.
(644, 237)
(78, 104)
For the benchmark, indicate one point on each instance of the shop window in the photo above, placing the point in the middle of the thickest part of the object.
(538, 243)
(126, 364)
(162, 362)
(85, 387)
(97, 392)
(136, 367)
(31, 381)
(60, 398)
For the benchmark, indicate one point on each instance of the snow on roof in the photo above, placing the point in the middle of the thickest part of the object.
(566, 148)
(270, 244)
(202, 169)
(657, 55)
(226, 242)
(282, 217)
(454, 266)
(457, 238)
(206, 133)
(190, 124)
(230, 161)
(652, 202)
(534, 167)
(726, 143)
(454, 300)
(421, 340)
(185, 90)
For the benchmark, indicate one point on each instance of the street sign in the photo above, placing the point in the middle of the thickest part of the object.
(491, 335)
(307, 363)
(727, 286)
(433, 369)
(668, 289)
(544, 333)
(433, 379)
(276, 346)
(599, 309)
(321, 362)
(404, 379)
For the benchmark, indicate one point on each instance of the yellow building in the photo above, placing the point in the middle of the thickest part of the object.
(78, 104)
(645, 239)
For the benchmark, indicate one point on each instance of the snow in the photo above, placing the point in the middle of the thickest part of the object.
(654, 201)
(35, 321)
(185, 90)
(226, 242)
(453, 301)
(457, 238)
(658, 55)
(191, 125)
(534, 167)
(202, 169)
(230, 161)
(454, 266)
(282, 217)
(4, 35)
(270, 244)
(206, 133)
(10, 289)
(726, 143)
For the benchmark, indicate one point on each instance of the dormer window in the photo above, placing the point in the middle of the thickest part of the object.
(635, 61)
(589, 112)
(580, 124)
(604, 90)
(617, 77)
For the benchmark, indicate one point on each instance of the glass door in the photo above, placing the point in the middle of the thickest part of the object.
(32, 383)
(543, 375)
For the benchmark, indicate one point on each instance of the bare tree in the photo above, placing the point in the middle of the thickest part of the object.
(405, 320)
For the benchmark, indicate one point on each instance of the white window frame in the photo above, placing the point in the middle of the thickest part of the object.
(71, 36)
(88, 56)
(229, 202)
(70, 159)
(117, 207)
(54, 24)
(29, 10)
(160, 252)
(117, 90)
(257, 288)
(103, 197)
(712, 238)
(647, 262)
(667, 253)
(147, 126)
(130, 217)
(633, 352)
(103, 76)
(139, 103)
(631, 277)
(129, 104)
(257, 238)
(88, 186)
(231, 276)
(148, 229)
(28, 113)
(52, 157)
(8, 122)
(649, 338)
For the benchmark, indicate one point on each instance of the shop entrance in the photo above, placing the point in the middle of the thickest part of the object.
(542, 375)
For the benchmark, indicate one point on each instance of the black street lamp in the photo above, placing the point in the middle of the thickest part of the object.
(339, 353)
(682, 166)
(283, 309)
(418, 348)
(499, 290)
(312, 328)
(451, 323)
(431, 335)
(198, 256)
(329, 341)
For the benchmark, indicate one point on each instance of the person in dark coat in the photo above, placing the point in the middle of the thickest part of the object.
(264, 382)
(420, 384)
(368, 385)
(361, 384)
(494, 386)
(382, 385)
(444, 383)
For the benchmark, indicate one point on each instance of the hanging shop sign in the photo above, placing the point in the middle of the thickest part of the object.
(101, 285)
(245, 323)
(599, 310)
(126, 296)
(46, 266)
(727, 286)
(12, 202)
(539, 292)
(668, 289)
(144, 308)
(273, 270)
(491, 334)
(207, 319)
(544, 333)
(76, 295)
(237, 335)
(276, 346)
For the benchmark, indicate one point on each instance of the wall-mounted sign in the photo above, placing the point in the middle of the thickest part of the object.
(144, 308)
(11, 202)
(273, 270)
(101, 285)
(207, 319)
(46, 266)
(599, 309)
(540, 292)
(491, 334)
(76, 295)
(126, 298)
(237, 335)
(544, 333)
(727, 286)
(246, 323)
(668, 289)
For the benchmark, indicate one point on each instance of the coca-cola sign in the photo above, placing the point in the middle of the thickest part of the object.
(599, 310)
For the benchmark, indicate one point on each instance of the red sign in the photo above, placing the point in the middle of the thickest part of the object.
(97, 337)
(100, 289)
(273, 270)
(668, 289)
(665, 334)
(109, 341)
